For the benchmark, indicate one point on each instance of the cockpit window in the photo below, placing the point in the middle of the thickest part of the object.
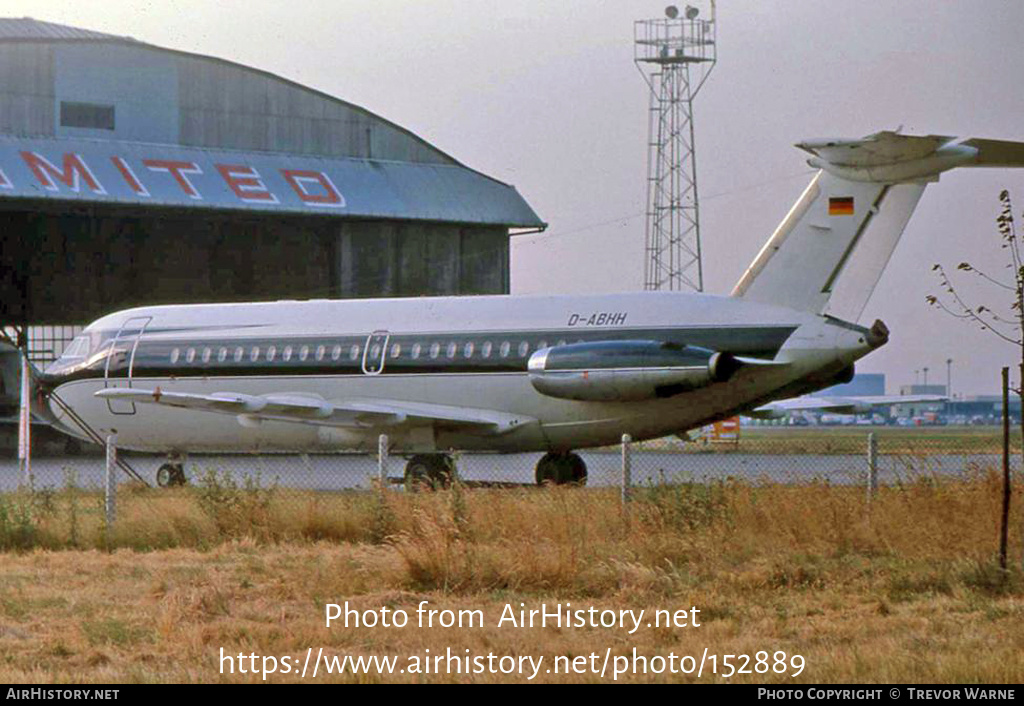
(77, 349)
(81, 347)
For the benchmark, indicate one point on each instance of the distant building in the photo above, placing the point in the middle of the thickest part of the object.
(918, 409)
(981, 407)
(922, 389)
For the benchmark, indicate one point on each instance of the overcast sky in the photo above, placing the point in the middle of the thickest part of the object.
(544, 94)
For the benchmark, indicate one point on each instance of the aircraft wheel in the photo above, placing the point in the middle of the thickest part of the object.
(429, 471)
(560, 469)
(169, 475)
(165, 475)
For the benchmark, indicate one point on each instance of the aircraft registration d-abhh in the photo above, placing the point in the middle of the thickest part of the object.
(515, 373)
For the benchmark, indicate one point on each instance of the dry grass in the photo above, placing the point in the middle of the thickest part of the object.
(906, 592)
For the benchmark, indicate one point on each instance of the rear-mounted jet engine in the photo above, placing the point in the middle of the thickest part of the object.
(620, 371)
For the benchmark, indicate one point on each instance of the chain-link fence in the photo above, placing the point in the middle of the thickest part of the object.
(760, 455)
(74, 501)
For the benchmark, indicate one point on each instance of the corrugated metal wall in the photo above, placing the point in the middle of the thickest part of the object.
(26, 89)
(176, 98)
(141, 85)
(223, 105)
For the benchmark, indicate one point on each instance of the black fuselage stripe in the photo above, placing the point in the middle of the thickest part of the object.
(153, 355)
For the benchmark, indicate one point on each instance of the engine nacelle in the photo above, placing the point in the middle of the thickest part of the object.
(622, 371)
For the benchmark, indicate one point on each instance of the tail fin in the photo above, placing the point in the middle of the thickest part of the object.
(830, 250)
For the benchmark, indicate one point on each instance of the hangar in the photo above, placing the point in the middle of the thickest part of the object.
(134, 174)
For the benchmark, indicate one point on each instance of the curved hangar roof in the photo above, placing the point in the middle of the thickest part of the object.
(87, 116)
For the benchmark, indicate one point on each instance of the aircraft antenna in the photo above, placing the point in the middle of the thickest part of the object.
(675, 55)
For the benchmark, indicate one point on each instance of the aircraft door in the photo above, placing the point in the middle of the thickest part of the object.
(121, 361)
(374, 352)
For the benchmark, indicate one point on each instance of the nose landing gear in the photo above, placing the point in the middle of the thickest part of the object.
(171, 473)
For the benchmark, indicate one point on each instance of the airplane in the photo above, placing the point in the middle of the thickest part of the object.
(839, 404)
(509, 373)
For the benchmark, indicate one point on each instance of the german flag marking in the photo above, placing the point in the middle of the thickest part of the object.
(840, 206)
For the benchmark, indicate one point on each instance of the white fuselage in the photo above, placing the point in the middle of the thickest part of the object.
(465, 352)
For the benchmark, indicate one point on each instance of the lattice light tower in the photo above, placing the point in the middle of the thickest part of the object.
(675, 55)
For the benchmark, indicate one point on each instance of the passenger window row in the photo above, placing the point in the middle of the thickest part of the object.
(434, 350)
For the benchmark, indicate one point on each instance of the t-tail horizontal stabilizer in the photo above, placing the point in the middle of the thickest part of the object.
(830, 250)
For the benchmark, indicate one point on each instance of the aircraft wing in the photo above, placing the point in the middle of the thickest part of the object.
(353, 413)
(839, 405)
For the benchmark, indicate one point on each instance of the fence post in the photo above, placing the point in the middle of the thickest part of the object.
(872, 466)
(25, 422)
(382, 461)
(110, 499)
(627, 470)
(1004, 524)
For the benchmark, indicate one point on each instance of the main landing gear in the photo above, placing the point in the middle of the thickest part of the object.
(171, 473)
(561, 469)
(429, 471)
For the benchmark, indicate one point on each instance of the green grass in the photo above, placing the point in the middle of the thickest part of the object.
(913, 441)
